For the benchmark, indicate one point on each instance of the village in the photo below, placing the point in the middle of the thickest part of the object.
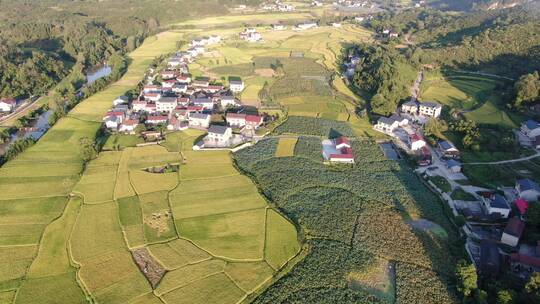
(179, 102)
(493, 219)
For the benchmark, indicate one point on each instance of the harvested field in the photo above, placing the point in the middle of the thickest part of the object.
(152, 269)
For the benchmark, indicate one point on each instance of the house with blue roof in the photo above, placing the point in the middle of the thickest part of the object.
(528, 189)
(496, 203)
(453, 165)
(530, 128)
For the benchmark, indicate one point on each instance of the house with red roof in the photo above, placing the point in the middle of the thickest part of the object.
(521, 205)
(7, 104)
(156, 119)
(169, 74)
(139, 105)
(152, 96)
(416, 142)
(128, 126)
(253, 121)
(338, 150)
(152, 89)
(237, 120)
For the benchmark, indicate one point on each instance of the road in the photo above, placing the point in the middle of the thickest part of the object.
(20, 110)
(507, 161)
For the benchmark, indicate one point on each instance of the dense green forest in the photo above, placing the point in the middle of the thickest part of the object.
(41, 42)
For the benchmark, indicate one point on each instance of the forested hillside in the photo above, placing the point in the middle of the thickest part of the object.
(40, 41)
(502, 42)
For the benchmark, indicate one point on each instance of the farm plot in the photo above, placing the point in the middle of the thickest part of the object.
(286, 146)
(51, 276)
(98, 181)
(157, 217)
(178, 253)
(107, 268)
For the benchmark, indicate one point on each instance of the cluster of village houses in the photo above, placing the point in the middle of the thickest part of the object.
(180, 102)
(277, 6)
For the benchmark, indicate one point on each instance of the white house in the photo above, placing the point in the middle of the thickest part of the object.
(336, 24)
(199, 120)
(183, 79)
(416, 142)
(448, 149)
(112, 122)
(237, 120)
(228, 101)
(175, 124)
(530, 128)
(156, 119)
(166, 104)
(306, 26)
(120, 100)
(359, 19)
(253, 121)
(128, 126)
(174, 62)
(168, 84)
(528, 189)
(152, 96)
(513, 231)
(278, 27)
(138, 105)
(338, 150)
(219, 134)
(430, 109)
(496, 204)
(205, 103)
(7, 104)
(179, 88)
(410, 107)
(151, 89)
(386, 124)
(236, 86)
(168, 74)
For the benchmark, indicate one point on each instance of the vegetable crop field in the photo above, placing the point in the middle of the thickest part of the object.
(354, 225)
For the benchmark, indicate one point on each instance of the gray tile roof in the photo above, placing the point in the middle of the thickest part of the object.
(217, 129)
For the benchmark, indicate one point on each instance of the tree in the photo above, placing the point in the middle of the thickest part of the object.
(467, 278)
(88, 149)
(506, 297)
(527, 89)
(533, 214)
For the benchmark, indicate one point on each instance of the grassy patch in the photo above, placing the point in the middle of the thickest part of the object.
(281, 240)
(441, 183)
(461, 195)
